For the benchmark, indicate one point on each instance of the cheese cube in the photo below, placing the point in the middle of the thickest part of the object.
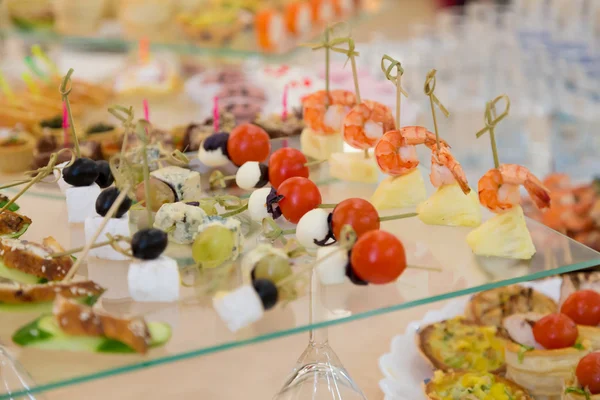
(239, 308)
(81, 202)
(62, 185)
(184, 182)
(115, 226)
(400, 191)
(185, 218)
(154, 280)
(320, 147)
(332, 271)
(353, 167)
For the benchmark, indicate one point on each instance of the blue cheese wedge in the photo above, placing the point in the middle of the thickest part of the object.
(231, 224)
(184, 182)
(180, 221)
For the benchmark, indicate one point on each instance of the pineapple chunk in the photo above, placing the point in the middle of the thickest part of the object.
(504, 235)
(320, 147)
(450, 206)
(353, 167)
(400, 191)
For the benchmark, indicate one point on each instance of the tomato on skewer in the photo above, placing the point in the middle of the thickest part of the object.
(300, 195)
(378, 257)
(248, 142)
(358, 213)
(286, 163)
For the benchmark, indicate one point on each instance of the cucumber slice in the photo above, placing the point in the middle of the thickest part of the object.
(45, 333)
(42, 308)
(18, 234)
(13, 207)
(18, 276)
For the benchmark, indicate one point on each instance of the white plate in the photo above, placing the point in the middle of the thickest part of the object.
(403, 367)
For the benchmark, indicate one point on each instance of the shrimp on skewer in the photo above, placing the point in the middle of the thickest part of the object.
(323, 119)
(446, 170)
(499, 188)
(364, 120)
(396, 153)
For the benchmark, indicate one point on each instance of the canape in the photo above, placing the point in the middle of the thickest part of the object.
(470, 385)
(16, 150)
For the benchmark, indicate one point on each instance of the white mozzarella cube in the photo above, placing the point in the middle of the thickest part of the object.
(314, 225)
(185, 218)
(186, 183)
(115, 226)
(257, 204)
(81, 202)
(239, 308)
(62, 185)
(331, 271)
(154, 280)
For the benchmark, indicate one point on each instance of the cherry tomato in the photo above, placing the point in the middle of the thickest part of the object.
(583, 307)
(555, 331)
(248, 142)
(358, 213)
(286, 163)
(588, 372)
(300, 195)
(378, 257)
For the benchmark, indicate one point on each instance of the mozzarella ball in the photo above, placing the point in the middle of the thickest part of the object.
(213, 151)
(252, 175)
(332, 271)
(312, 226)
(257, 204)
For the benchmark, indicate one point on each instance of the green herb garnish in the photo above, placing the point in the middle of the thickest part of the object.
(578, 346)
(52, 123)
(99, 128)
(580, 391)
(522, 350)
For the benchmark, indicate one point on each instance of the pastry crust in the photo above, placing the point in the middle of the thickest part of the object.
(591, 334)
(426, 346)
(572, 382)
(492, 306)
(430, 387)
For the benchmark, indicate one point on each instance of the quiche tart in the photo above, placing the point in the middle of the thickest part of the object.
(473, 386)
(460, 345)
(572, 391)
(492, 306)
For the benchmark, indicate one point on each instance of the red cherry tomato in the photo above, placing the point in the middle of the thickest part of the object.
(583, 307)
(588, 372)
(248, 142)
(555, 331)
(300, 195)
(358, 213)
(378, 257)
(286, 163)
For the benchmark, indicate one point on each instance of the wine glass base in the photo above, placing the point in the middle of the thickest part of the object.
(319, 375)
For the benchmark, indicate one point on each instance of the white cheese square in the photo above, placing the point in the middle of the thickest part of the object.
(154, 280)
(115, 226)
(239, 308)
(186, 183)
(81, 202)
(62, 185)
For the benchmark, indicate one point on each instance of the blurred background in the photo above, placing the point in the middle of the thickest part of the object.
(249, 54)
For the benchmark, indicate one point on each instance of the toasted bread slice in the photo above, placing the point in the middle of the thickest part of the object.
(461, 345)
(476, 386)
(492, 306)
(80, 320)
(35, 259)
(29, 294)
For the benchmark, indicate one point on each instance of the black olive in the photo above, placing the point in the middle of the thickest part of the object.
(148, 244)
(264, 176)
(107, 198)
(217, 141)
(83, 172)
(267, 291)
(352, 275)
(105, 177)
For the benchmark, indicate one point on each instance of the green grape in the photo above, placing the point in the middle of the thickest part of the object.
(213, 246)
(272, 267)
(160, 193)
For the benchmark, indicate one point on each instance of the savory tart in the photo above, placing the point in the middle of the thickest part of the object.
(536, 357)
(492, 306)
(77, 327)
(39, 297)
(461, 345)
(16, 150)
(584, 383)
(473, 386)
(578, 281)
(27, 262)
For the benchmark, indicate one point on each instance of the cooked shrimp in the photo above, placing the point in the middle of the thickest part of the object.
(499, 188)
(396, 153)
(366, 123)
(446, 170)
(325, 115)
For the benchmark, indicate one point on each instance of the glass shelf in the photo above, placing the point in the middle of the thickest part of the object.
(197, 330)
